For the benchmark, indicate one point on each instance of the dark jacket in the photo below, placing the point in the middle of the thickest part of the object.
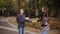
(41, 16)
(21, 20)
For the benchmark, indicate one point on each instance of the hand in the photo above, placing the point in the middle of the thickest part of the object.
(34, 21)
(27, 18)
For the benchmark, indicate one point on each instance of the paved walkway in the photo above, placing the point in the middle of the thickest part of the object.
(7, 28)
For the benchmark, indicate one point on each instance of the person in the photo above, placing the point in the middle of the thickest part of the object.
(21, 19)
(45, 27)
(44, 10)
(44, 20)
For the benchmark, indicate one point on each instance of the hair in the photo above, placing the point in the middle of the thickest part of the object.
(45, 14)
(44, 6)
(18, 11)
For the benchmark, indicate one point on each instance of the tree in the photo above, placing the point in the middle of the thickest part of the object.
(10, 6)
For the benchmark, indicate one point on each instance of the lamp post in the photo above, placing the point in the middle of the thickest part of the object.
(18, 4)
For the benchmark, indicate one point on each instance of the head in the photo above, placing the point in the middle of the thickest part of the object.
(20, 11)
(45, 9)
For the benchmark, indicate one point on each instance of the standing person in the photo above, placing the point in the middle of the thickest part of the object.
(44, 10)
(44, 13)
(45, 26)
(21, 21)
(44, 20)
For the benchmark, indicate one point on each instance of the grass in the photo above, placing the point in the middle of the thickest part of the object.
(13, 21)
(54, 23)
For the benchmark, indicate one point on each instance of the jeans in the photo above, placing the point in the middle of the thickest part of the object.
(45, 32)
(21, 30)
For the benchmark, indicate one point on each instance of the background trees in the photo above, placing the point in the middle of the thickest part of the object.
(8, 7)
(32, 7)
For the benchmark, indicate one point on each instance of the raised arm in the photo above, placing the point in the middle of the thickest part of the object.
(27, 19)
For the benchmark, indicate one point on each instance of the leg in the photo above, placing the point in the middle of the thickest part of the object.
(45, 32)
(21, 30)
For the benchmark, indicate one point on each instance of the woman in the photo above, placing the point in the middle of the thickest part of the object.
(44, 10)
(21, 21)
(45, 21)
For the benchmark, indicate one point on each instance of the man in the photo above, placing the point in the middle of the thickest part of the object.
(21, 21)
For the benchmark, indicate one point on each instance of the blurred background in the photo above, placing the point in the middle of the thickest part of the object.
(32, 8)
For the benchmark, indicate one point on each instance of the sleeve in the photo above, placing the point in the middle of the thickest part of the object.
(39, 20)
(40, 17)
(28, 20)
(17, 19)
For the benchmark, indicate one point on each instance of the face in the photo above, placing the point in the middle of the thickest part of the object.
(44, 9)
(21, 11)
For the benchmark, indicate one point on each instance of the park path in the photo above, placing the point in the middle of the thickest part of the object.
(7, 28)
